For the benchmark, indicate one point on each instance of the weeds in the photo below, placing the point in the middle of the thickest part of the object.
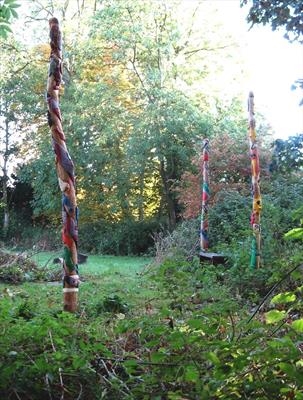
(179, 333)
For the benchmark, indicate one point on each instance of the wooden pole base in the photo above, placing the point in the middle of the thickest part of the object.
(213, 258)
(70, 299)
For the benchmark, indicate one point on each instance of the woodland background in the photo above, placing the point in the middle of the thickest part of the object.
(138, 99)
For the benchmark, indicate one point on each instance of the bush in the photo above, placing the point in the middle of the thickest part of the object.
(18, 268)
(126, 238)
(182, 242)
(23, 235)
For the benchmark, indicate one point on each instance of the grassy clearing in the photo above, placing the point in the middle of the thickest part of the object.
(99, 265)
(102, 276)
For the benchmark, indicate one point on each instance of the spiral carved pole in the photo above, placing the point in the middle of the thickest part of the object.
(255, 219)
(204, 242)
(65, 172)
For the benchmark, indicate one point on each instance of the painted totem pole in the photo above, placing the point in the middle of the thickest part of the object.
(65, 172)
(255, 219)
(204, 243)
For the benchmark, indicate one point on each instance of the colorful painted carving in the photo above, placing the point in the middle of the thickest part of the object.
(255, 219)
(65, 172)
(204, 242)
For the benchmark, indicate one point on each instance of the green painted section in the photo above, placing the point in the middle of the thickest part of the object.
(253, 253)
(67, 255)
(206, 188)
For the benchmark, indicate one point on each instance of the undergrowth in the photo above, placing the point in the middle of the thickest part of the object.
(181, 330)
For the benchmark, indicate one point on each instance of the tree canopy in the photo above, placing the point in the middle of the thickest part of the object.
(287, 14)
(7, 13)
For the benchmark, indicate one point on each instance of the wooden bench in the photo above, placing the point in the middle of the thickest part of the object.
(212, 258)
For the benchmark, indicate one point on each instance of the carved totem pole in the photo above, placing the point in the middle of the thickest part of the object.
(65, 172)
(255, 219)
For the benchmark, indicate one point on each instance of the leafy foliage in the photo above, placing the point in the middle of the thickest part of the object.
(124, 238)
(186, 335)
(287, 155)
(229, 167)
(7, 12)
(131, 110)
(277, 13)
(20, 268)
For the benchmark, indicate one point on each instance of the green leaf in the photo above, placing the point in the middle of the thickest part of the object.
(211, 356)
(282, 298)
(298, 325)
(14, 5)
(274, 316)
(14, 13)
(176, 340)
(296, 275)
(5, 27)
(288, 368)
(195, 323)
(296, 233)
(79, 362)
(130, 363)
(191, 373)
(157, 357)
(11, 3)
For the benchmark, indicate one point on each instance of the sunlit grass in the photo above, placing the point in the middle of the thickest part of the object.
(98, 265)
(101, 276)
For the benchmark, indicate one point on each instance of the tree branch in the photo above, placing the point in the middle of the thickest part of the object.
(21, 68)
(133, 62)
(191, 52)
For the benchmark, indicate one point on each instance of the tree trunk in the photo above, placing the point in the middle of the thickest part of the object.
(168, 198)
(141, 196)
(5, 180)
(6, 209)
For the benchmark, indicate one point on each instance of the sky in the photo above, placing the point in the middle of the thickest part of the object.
(273, 65)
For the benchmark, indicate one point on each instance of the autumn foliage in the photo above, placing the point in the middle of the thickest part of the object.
(229, 168)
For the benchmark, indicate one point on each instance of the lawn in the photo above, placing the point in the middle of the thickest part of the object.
(101, 277)
(97, 266)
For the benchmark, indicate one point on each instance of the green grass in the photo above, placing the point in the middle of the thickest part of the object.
(101, 276)
(99, 265)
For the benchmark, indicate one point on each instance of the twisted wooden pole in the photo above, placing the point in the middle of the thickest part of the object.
(204, 242)
(255, 218)
(65, 172)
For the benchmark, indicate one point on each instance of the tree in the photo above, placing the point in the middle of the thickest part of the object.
(7, 13)
(133, 105)
(156, 48)
(287, 155)
(286, 14)
(229, 160)
(19, 109)
(10, 125)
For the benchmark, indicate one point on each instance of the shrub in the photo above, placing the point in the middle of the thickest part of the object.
(125, 238)
(183, 242)
(18, 268)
